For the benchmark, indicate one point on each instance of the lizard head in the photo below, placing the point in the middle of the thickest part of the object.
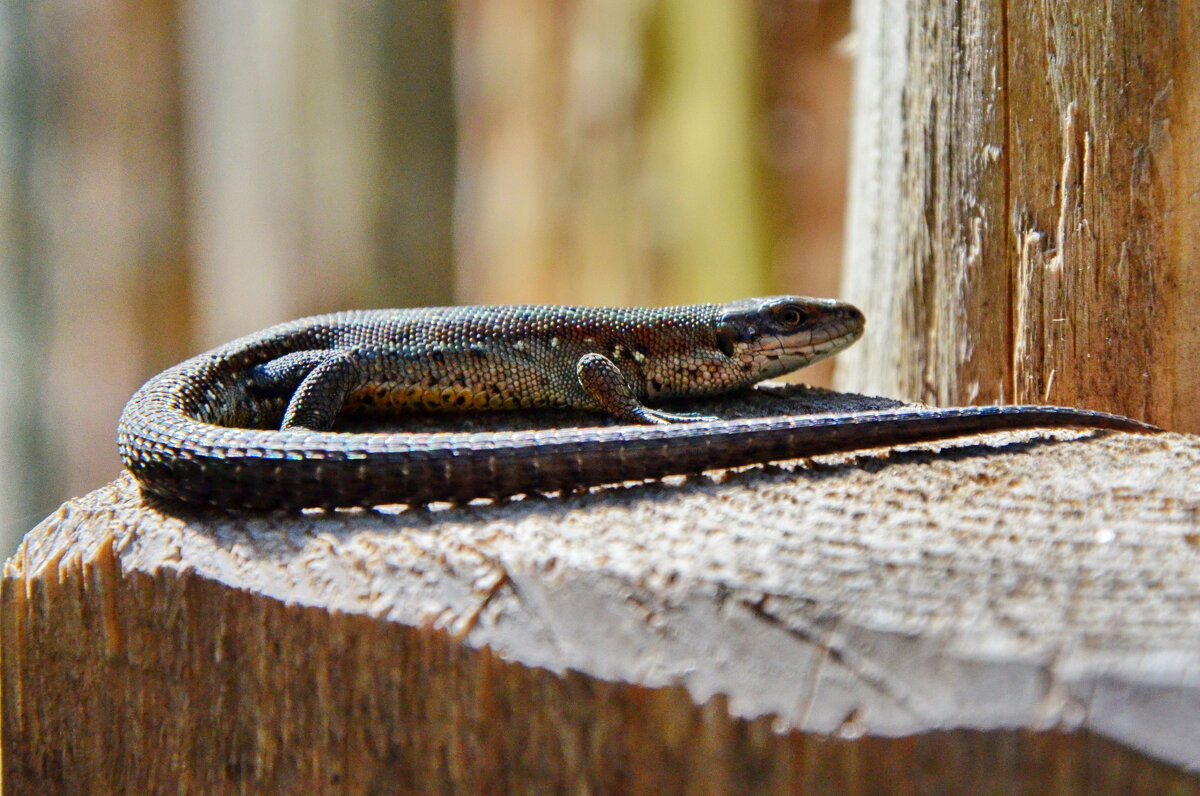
(768, 337)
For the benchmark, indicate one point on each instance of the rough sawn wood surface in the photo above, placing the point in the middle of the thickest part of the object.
(1019, 609)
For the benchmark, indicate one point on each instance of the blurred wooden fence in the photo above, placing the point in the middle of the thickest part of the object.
(174, 174)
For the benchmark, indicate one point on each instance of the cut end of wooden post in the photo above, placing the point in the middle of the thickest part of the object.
(1017, 609)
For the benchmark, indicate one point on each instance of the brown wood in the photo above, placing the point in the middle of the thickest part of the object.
(612, 152)
(1025, 205)
(806, 77)
(1012, 614)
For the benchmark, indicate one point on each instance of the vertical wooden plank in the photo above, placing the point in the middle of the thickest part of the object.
(1024, 177)
(1104, 185)
(551, 197)
(609, 151)
(873, 273)
(320, 147)
(925, 239)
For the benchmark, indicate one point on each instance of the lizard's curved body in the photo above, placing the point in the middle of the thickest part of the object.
(244, 426)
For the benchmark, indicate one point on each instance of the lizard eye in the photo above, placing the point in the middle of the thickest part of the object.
(792, 316)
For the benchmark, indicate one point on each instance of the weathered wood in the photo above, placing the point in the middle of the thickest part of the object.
(1014, 613)
(1025, 200)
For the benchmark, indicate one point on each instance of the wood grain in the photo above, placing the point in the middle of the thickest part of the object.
(1016, 612)
(1025, 196)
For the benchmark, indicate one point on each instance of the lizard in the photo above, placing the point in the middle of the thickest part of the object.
(247, 425)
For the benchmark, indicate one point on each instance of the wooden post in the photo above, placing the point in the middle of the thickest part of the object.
(1014, 614)
(1025, 204)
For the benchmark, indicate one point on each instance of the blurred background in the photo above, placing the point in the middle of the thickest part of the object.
(175, 173)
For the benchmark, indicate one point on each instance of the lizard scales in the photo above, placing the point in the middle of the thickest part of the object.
(245, 426)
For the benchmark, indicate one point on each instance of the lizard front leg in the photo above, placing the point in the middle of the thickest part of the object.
(604, 383)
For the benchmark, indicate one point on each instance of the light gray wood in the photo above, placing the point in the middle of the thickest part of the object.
(1021, 609)
(321, 158)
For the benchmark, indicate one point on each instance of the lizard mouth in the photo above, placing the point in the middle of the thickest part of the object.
(818, 344)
